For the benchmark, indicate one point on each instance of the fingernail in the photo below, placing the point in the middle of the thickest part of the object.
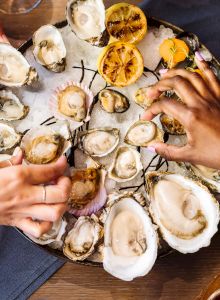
(17, 151)
(163, 71)
(199, 56)
(151, 149)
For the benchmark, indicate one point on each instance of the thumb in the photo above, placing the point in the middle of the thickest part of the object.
(171, 152)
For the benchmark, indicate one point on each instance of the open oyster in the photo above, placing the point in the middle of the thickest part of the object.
(43, 145)
(126, 165)
(9, 138)
(130, 239)
(112, 101)
(143, 134)
(141, 98)
(87, 20)
(14, 68)
(49, 49)
(88, 192)
(54, 236)
(211, 177)
(10, 107)
(171, 125)
(83, 238)
(185, 211)
(99, 142)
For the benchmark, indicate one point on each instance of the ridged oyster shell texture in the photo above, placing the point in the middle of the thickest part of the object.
(81, 58)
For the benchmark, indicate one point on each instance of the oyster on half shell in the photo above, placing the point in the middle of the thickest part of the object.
(141, 98)
(143, 134)
(88, 193)
(43, 145)
(82, 239)
(49, 49)
(112, 101)
(11, 107)
(87, 20)
(9, 138)
(98, 142)
(126, 164)
(52, 237)
(171, 125)
(185, 211)
(14, 68)
(130, 239)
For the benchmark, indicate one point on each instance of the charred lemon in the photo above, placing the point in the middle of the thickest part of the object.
(173, 51)
(120, 64)
(126, 22)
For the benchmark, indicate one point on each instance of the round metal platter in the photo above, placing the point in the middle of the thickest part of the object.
(152, 22)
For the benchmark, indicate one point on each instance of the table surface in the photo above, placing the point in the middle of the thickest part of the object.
(173, 277)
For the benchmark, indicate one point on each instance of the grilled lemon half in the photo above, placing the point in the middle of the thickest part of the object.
(126, 22)
(120, 64)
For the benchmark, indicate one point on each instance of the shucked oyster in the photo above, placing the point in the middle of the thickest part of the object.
(82, 239)
(185, 211)
(130, 240)
(88, 192)
(49, 49)
(171, 125)
(10, 107)
(112, 101)
(87, 20)
(126, 165)
(99, 142)
(143, 134)
(14, 69)
(9, 138)
(142, 99)
(54, 236)
(43, 145)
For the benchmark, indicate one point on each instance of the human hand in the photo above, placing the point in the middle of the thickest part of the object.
(200, 114)
(22, 201)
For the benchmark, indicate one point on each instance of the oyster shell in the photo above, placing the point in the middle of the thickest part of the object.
(126, 165)
(185, 211)
(143, 134)
(99, 142)
(141, 98)
(43, 145)
(49, 49)
(14, 68)
(112, 101)
(9, 138)
(83, 238)
(171, 125)
(88, 192)
(53, 237)
(211, 177)
(130, 239)
(87, 20)
(10, 107)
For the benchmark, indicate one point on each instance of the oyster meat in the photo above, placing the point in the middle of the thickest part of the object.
(171, 125)
(185, 211)
(112, 101)
(10, 107)
(14, 68)
(49, 49)
(9, 138)
(87, 20)
(99, 142)
(88, 192)
(141, 98)
(52, 237)
(143, 134)
(130, 239)
(82, 239)
(126, 164)
(43, 145)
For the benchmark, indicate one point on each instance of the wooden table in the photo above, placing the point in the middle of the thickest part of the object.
(174, 277)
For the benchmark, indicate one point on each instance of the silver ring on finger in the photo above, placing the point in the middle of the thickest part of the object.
(44, 198)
